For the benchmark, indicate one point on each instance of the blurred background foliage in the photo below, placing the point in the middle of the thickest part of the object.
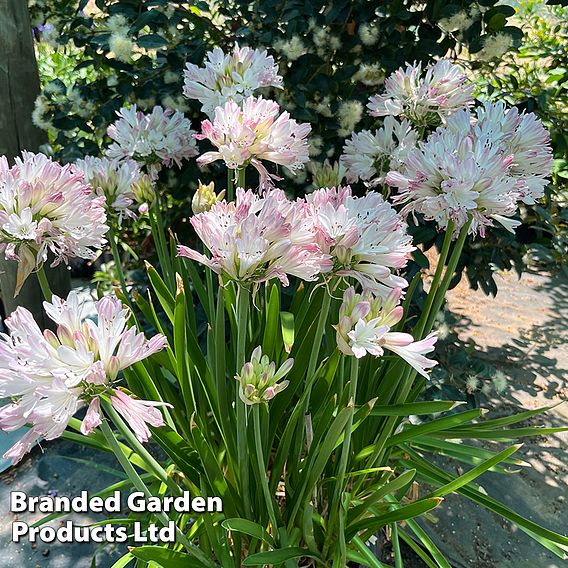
(96, 56)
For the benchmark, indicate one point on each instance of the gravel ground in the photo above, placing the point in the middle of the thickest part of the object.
(522, 332)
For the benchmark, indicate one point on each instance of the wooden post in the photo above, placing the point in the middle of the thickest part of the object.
(19, 87)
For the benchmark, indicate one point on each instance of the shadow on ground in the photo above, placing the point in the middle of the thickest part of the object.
(523, 332)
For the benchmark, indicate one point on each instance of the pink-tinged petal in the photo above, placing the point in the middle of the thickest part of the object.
(138, 413)
(412, 351)
(194, 255)
(92, 417)
(21, 447)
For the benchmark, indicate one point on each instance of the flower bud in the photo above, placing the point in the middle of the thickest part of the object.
(259, 378)
(143, 190)
(204, 198)
(327, 175)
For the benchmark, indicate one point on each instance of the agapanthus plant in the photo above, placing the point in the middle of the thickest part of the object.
(311, 444)
(425, 99)
(50, 376)
(254, 133)
(162, 137)
(232, 76)
(47, 209)
(476, 167)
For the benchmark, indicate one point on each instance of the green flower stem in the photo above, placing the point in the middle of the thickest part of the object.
(141, 486)
(230, 185)
(153, 466)
(157, 226)
(418, 331)
(448, 275)
(262, 470)
(344, 459)
(241, 177)
(112, 237)
(320, 330)
(44, 284)
(242, 450)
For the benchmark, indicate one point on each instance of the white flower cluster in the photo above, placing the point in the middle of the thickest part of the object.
(369, 156)
(162, 137)
(424, 99)
(477, 166)
(233, 76)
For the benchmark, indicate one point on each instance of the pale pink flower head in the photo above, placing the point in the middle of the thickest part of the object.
(258, 239)
(424, 99)
(232, 76)
(50, 376)
(364, 327)
(115, 180)
(254, 133)
(365, 236)
(479, 165)
(47, 208)
(162, 137)
(370, 156)
(521, 138)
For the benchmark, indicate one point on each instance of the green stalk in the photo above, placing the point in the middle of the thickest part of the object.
(343, 460)
(418, 331)
(242, 450)
(157, 226)
(396, 546)
(141, 486)
(448, 275)
(320, 330)
(44, 284)
(118, 263)
(150, 461)
(230, 185)
(262, 470)
(242, 177)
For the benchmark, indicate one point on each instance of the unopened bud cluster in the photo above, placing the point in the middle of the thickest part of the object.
(259, 378)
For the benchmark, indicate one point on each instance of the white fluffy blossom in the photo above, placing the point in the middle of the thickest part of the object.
(233, 76)
(292, 48)
(349, 114)
(371, 155)
(495, 46)
(480, 166)
(369, 34)
(121, 47)
(424, 99)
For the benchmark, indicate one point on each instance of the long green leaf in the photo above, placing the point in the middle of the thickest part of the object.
(414, 408)
(165, 557)
(406, 512)
(436, 425)
(546, 537)
(277, 556)
(248, 527)
(473, 473)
